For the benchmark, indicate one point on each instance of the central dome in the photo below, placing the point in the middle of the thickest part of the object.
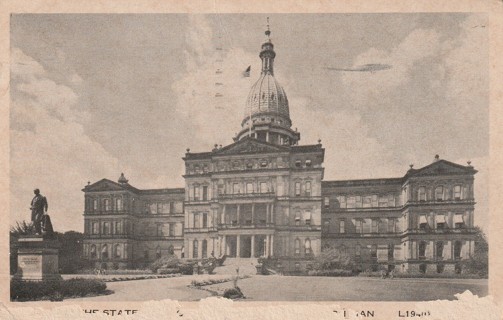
(267, 96)
(267, 114)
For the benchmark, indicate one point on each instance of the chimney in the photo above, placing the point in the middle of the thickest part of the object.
(437, 157)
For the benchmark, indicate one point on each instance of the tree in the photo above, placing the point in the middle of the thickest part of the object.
(70, 252)
(478, 263)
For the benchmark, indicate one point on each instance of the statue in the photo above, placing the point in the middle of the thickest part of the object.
(38, 209)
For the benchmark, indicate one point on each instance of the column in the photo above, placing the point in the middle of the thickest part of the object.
(267, 136)
(266, 245)
(238, 246)
(188, 249)
(272, 244)
(253, 245)
(239, 216)
(224, 245)
(253, 213)
(223, 215)
(272, 213)
(267, 213)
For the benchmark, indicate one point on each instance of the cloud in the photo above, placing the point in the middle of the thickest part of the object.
(212, 91)
(49, 147)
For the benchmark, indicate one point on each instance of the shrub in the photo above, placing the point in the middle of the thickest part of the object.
(330, 273)
(233, 293)
(168, 270)
(55, 290)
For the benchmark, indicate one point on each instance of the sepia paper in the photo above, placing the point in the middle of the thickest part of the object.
(412, 60)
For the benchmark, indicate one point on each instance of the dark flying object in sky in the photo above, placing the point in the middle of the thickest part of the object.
(364, 68)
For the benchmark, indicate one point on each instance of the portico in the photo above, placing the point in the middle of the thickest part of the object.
(247, 245)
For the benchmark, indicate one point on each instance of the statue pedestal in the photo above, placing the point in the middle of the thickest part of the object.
(37, 259)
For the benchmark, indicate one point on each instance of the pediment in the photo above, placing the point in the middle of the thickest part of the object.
(249, 145)
(104, 185)
(443, 167)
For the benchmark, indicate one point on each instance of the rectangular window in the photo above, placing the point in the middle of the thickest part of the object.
(391, 200)
(359, 227)
(171, 207)
(118, 204)
(196, 221)
(249, 187)
(106, 228)
(171, 229)
(358, 201)
(235, 188)
(307, 217)
(457, 192)
(308, 189)
(375, 202)
(263, 187)
(107, 206)
(367, 202)
(439, 193)
(342, 202)
(205, 220)
(96, 227)
(458, 221)
(178, 207)
(342, 226)
(159, 230)
(422, 194)
(117, 228)
(351, 202)
(163, 208)
(391, 225)
(196, 193)
(326, 202)
(297, 189)
(205, 193)
(367, 225)
(95, 205)
(383, 201)
(153, 208)
(375, 224)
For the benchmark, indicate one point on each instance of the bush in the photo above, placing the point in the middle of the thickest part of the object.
(55, 290)
(168, 270)
(170, 261)
(233, 293)
(330, 273)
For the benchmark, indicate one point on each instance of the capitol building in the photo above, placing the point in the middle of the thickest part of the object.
(265, 195)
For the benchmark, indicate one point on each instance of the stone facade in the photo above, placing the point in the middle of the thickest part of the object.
(264, 196)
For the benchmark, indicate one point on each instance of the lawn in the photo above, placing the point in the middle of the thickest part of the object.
(283, 288)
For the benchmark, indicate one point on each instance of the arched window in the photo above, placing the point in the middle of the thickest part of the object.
(307, 246)
(106, 205)
(104, 252)
(439, 193)
(307, 191)
(422, 250)
(93, 251)
(358, 250)
(117, 251)
(297, 246)
(195, 249)
(106, 228)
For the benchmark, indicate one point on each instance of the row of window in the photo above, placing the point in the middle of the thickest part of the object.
(171, 207)
(307, 246)
(440, 221)
(116, 251)
(107, 228)
(367, 201)
(106, 205)
(204, 249)
(442, 193)
(200, 220)
(439, 249)
(366, 225)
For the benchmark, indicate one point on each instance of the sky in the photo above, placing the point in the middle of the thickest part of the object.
(94, 95)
